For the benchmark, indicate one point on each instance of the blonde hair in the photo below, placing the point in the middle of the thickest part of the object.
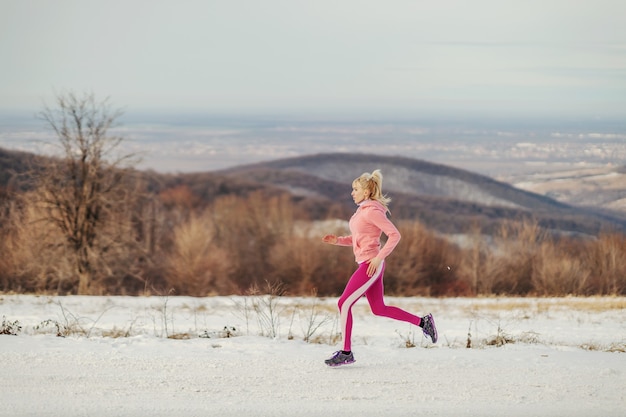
(374, 184)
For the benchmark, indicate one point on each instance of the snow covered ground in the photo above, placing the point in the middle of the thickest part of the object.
(169, 356)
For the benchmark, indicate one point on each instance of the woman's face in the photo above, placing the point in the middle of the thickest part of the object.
(359, 194)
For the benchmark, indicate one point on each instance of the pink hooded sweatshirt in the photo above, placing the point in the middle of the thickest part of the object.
(366, 225)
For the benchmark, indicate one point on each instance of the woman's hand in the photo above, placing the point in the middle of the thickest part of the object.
(374, 263)
(332, 239)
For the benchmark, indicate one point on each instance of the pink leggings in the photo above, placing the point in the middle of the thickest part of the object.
(372, 287)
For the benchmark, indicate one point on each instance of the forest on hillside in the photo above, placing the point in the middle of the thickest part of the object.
(86, 222)
(165, 244)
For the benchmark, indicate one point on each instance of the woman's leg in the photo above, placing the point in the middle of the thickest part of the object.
(357, 286)
(375, 297)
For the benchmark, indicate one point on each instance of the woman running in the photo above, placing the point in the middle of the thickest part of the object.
(366, 226)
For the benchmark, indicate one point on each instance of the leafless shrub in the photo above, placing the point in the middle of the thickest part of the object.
(196, 265)
(557, 272)
(264, 306)
(424, 264)
(501, 338)
(519, 243)
(312, 318)
(408, 339)
(33, 254)
(11, 328)
(607, 258)
(243, 309)
(60, 329)
(165, 317)
(248, 229)
(267, 308)
(70, 324)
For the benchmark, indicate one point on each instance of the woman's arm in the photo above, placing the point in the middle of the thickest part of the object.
(338, 240)
(380, 220)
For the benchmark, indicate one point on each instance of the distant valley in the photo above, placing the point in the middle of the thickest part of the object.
(599, 187)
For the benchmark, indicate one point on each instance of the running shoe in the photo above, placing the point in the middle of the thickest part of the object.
(339, 358)
(430, 329)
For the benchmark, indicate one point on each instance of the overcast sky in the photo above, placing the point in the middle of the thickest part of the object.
(563, 57)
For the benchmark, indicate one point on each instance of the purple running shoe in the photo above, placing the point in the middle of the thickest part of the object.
(430, 329)
(339, 358)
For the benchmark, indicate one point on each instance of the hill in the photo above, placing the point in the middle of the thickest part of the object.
(446, 199)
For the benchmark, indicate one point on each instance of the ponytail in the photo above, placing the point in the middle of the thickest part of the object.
(374, 184)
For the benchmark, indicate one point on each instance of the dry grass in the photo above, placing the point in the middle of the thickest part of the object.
(613, 347)
(542, 305)
(116, 333)
(591, 304)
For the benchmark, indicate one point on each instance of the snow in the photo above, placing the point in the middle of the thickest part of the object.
(564, 357)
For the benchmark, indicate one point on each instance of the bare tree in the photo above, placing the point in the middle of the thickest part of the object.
(86, 188)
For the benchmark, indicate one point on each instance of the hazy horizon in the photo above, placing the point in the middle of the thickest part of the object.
(195, 141)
